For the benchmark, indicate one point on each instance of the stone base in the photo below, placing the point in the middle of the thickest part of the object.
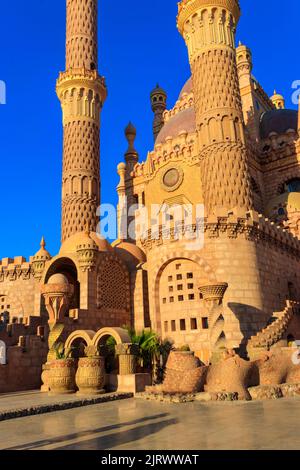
(90, 393)
(52, 393)
(132, 383)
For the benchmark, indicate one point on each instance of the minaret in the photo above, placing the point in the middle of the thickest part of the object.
(158, 98)
(208, 27)
(82, 93)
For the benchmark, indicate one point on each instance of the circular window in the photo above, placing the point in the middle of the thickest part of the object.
(172, 179)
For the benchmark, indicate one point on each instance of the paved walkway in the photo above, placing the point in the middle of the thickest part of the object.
(136, 424)
(19, 404)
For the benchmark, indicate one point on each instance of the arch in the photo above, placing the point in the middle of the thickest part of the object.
(167, 259)
(85, 335)
(119, 334)
(67, 267)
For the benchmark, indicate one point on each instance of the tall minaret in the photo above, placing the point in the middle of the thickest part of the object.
(82, 93)
(208, 27)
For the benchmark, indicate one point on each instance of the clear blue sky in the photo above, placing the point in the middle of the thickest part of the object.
(139, 46)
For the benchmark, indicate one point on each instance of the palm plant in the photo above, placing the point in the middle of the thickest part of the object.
(152, 351)
(62, 352)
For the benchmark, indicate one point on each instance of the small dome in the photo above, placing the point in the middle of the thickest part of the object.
(185, 120)
(121, 167)
(276, 96)
(58, 279)
(84, 238)
(130, 253)
(278, 100)
(187, 88)
(42, 254)
(278, 121)
(158, 91)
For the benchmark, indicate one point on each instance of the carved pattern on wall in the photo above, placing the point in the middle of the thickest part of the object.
(113, 289)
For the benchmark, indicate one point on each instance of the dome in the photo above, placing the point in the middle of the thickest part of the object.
(84, 238)
(187, 88)
(278, 121)
(42, 254)
(58, 279)
(130, 253)
(158, 91)
(185, 120)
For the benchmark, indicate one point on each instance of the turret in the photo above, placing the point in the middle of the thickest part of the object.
(208, 28)
(158, 104)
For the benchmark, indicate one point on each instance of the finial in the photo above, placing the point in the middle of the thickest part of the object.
(43, 243)
(275, 92)
(240, 43)
(130, 133)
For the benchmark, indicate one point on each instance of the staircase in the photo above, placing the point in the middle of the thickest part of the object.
(275, 329)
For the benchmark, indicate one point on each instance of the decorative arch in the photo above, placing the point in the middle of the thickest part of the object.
(119, 334)
(85, 335)
(188, 255)
(65, 265)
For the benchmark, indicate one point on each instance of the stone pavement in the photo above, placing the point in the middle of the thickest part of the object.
(20, 404)
(139, 425)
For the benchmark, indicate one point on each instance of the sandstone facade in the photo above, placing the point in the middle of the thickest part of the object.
(225, 144)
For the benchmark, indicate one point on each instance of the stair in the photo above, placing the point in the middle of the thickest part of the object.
(276, 328)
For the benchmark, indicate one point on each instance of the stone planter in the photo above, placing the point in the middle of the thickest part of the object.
(90, 376)
(62, 376)
(127, 354)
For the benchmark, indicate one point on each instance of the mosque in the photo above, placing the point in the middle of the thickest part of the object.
(225, 146)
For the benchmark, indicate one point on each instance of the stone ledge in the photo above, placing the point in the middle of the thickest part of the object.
(188, 397)
(61, 406)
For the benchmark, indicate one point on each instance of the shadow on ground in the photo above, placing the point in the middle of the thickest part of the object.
(107, 441)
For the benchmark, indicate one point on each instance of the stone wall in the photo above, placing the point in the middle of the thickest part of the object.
(24, 365)
(256, 259)
(17, 287)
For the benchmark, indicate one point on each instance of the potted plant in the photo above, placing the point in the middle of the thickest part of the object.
(90, 375)
(62, 371)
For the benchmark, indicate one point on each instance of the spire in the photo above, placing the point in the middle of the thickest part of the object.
(130, 133)
(131, 155)
(43, 243)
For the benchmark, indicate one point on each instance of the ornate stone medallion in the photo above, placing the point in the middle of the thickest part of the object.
(172, 178)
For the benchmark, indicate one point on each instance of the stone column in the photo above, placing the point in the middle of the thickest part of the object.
(127, 353)
(213, 294)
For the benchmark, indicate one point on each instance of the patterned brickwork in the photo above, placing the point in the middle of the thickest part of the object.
(209, 32)
(82, 93)
(81, 50)
(225, 176)
(113, 291)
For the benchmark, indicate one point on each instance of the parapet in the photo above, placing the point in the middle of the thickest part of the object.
(13, 268)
